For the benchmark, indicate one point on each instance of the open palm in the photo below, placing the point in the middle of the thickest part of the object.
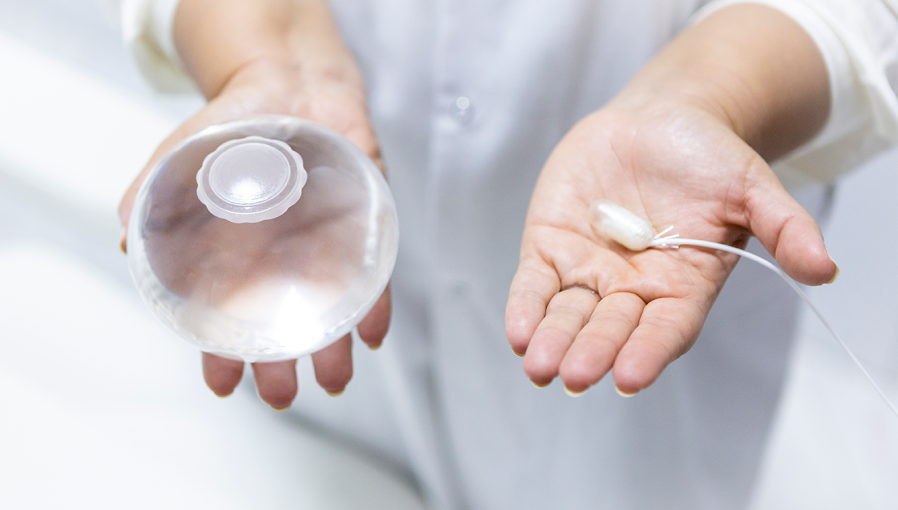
(581, 305)
(265, 89)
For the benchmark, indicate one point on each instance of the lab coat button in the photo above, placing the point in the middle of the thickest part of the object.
(462, 110)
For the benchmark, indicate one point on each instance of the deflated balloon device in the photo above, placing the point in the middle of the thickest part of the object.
(263, 239)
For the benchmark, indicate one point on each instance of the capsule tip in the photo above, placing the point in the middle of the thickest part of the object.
(620, 225)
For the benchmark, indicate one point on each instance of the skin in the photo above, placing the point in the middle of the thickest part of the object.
(684, 144)
(273, 57)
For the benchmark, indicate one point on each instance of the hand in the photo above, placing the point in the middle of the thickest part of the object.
(581, 305)
(271, 86)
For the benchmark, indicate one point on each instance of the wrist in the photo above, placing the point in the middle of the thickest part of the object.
(285, 73)
(711, 91)
(752, 68)
(225, 41)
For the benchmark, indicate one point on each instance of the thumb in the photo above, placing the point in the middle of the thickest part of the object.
(126, 204)
(208, 116)
(788, 232)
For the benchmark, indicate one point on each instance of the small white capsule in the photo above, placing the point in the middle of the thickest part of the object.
(620, 225)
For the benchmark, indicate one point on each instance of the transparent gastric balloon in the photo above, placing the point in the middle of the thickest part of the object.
(263, 239)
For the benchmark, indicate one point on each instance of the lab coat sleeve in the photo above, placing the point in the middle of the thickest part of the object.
(859, 43)
(146, 27)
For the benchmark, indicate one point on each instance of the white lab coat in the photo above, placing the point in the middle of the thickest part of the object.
(468, 98)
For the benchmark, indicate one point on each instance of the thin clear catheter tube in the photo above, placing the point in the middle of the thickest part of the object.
(673, 242)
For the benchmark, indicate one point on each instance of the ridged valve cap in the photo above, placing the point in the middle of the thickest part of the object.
(251, 179)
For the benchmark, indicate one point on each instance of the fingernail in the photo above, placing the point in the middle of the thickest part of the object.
(281, 409)
(623, 393)
(516, 353)
(539, 385)
(835, 276)
(123, 243)
(375, 347)
(224, 395)
(573, 393)
(335, 393)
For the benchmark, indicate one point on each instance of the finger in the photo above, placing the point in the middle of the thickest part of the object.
(533, 286)
(276, 383)
(594, 350)
(333, 366)
(126, 205)
(127, 202)
(667, 329)
(221, 374)
(374, 326)
(789, 233)
(566, 315)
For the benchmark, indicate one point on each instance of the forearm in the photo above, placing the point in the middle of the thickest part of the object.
(751, 66)
(216, 39)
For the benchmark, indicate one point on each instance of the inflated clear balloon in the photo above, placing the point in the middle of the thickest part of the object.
(263, 239)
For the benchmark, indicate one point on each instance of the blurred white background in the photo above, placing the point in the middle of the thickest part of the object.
(100, 407)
